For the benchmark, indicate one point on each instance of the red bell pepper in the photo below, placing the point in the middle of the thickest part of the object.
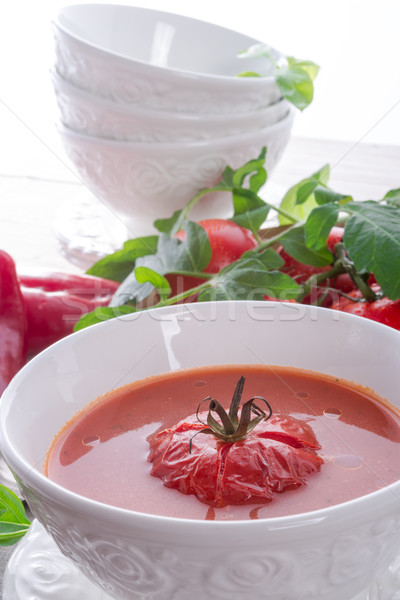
(55, 301)
(12, 322)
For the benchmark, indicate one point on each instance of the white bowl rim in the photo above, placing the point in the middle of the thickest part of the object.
(86, 505)
(257, 81)
(284, 123)
(184, 117)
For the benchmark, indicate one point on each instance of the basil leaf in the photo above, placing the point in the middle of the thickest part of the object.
(103, 313)
(13, 520)
(294, 243)
(249, 280)
(372, 240)
(318, 225)
(118, 265)
(295, 83)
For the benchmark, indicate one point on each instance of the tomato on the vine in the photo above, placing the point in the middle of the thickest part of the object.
(381, 310)
(228, 242)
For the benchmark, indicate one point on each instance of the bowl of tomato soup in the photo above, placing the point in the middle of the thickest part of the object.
(218, 450)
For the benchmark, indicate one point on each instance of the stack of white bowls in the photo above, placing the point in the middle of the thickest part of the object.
(152, 109)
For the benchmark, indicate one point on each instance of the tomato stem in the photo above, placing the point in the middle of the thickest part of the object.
(230, 427)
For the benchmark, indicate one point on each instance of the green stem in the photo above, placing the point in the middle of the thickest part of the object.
(272, 240)
(318, 278)
(182, 296)
(284, 213)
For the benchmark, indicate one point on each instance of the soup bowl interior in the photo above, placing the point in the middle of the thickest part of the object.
(326, 554)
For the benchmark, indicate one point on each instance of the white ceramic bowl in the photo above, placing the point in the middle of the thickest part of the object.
(159, 60)
(92, 115)
(143, 182)
(327, 554)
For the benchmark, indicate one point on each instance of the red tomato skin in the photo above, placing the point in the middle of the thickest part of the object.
(335, 236)
(228, 242)
(278, 454)
(383, 310)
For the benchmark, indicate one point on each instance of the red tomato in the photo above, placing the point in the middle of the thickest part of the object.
(276, 454)
(228, 242)
(383, 310)
(335, 236)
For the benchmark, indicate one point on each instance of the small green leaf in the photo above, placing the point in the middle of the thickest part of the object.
(294, 243)
(372, 240)
(253, 168)
(295, 85)
(324, 195)
(307, 65)
(249, 74)
(168, 225)
(393, 198)
(298, 203)
(318, 225)
(146, 275)
(13, 520)
(103, 313)
(118, 265)
(250, 211)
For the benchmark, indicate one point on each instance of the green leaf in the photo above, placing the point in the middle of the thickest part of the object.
(294, 243)
(118, 265)
(168, 225)
(255, 170)
(295, 79)
(269, 258)
(173, 256)
(296, 202)
(393, 198)
(324, 195)
(318, 225)
(249, 74)
(13, 520)
(307, 65)
(250, 211)
(146, 275)
(295, 85)
(249, 279)
(372, 240)
(103, 313)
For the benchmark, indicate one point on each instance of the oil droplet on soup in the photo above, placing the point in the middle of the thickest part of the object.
(102, 452)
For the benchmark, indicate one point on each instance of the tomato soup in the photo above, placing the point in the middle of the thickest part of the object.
(102, 453)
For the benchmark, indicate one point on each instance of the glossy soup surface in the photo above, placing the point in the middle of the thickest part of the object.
(102, 452)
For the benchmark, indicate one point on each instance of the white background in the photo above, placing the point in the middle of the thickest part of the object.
(356, 43)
